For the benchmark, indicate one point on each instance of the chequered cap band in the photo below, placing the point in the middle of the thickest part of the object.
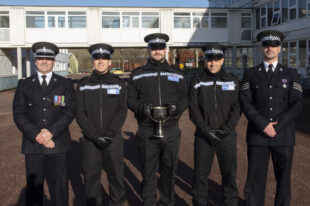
(271, 38)
(101, 51)
(214, 51)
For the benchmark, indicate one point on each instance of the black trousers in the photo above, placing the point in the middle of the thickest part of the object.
(258, 160)
(52, 167)
(112, 159)
(203, 160)
(159, 154)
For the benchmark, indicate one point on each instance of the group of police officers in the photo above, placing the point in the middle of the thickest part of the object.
(270, 96)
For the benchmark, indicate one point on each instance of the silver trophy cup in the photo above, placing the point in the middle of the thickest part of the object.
(159, 115)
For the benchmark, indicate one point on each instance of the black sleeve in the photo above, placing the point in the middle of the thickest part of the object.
(234, 113)
(183, 103)
(194, 110)
(294, 104)
(82, 118)
(120, 117)
(24, 124)
(133, 101)
(247, 104)
(68, 111)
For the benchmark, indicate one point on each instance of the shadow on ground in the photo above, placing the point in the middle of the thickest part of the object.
(184, 179)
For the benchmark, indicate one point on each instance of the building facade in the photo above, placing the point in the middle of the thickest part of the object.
(233, 23)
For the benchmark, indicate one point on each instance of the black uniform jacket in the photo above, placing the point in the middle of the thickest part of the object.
(263, 101)
(157, 84)
(214, 101)
(101, 105)
(34, 109)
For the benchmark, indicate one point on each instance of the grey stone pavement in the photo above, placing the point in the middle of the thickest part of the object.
(12, 171)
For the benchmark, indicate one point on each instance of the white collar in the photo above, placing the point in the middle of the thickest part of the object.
(48, 77)
(274, 65)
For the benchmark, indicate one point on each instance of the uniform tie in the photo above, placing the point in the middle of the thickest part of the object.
(44, 83)
(270, 71)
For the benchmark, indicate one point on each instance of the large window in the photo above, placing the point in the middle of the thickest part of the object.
(257, 12)
(263, 16)
(246, 32)
(4, 19)
(182, 20)
(302, 8)
(35, 19)
(292, 9)
(276, 13)
(308, 53)
(130, 19)
(285, 54)
(302, 55)
(228, 57)
(244, 57)
(200, 20)
(77, 19)
(150, 19)
(292, 54)
(218, 20)
(56, 19)
(111, 20)
(284, 11)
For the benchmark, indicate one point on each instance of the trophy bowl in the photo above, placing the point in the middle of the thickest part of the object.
(159, 115)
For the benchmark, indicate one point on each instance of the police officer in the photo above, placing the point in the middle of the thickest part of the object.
(101, 113)
(43, 107)
(214, 109)
(157, 84)
(271, 96)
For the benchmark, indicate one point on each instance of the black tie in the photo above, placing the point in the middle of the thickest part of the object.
(270, 71)
(44, 83)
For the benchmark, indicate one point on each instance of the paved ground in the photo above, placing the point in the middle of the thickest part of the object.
(12, 178)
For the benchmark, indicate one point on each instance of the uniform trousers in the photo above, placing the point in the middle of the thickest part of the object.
(53, 167)
(93, 159)
(203, 160)
(258, 160)
(158, 154)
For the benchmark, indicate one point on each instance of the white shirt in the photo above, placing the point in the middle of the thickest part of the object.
(48, 77)
(274, 65)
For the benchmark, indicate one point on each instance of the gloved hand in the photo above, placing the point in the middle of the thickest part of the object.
(145, 109)
(212, 138)
(103, 142)
(221, 133)
(172, 109)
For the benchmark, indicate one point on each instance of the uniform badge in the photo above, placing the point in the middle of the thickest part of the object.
(259, 69)
(284, 81)
(228, 87)
(173, 78)
(59, 100)
(113, 91)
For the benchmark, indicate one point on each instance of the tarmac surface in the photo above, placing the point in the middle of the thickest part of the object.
(12, 169)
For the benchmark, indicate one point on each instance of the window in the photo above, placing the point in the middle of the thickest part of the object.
(246, 33)
(308, 7)
(111, 20)
(276, 13)
(150, 20)
(130, 19)
(244, 57)
(302, 8)
(270, 13)
(263, 16)
(228, 57)
(308, 53)
(182, 20)
(257, 12)
(285, 54)
(56, 19)
(292, 9)
(302, 56)
(35, 19)
(76, 19)
(292, 54)
(4, 19)
(200, 20)
(284, 15)
(218, 20)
